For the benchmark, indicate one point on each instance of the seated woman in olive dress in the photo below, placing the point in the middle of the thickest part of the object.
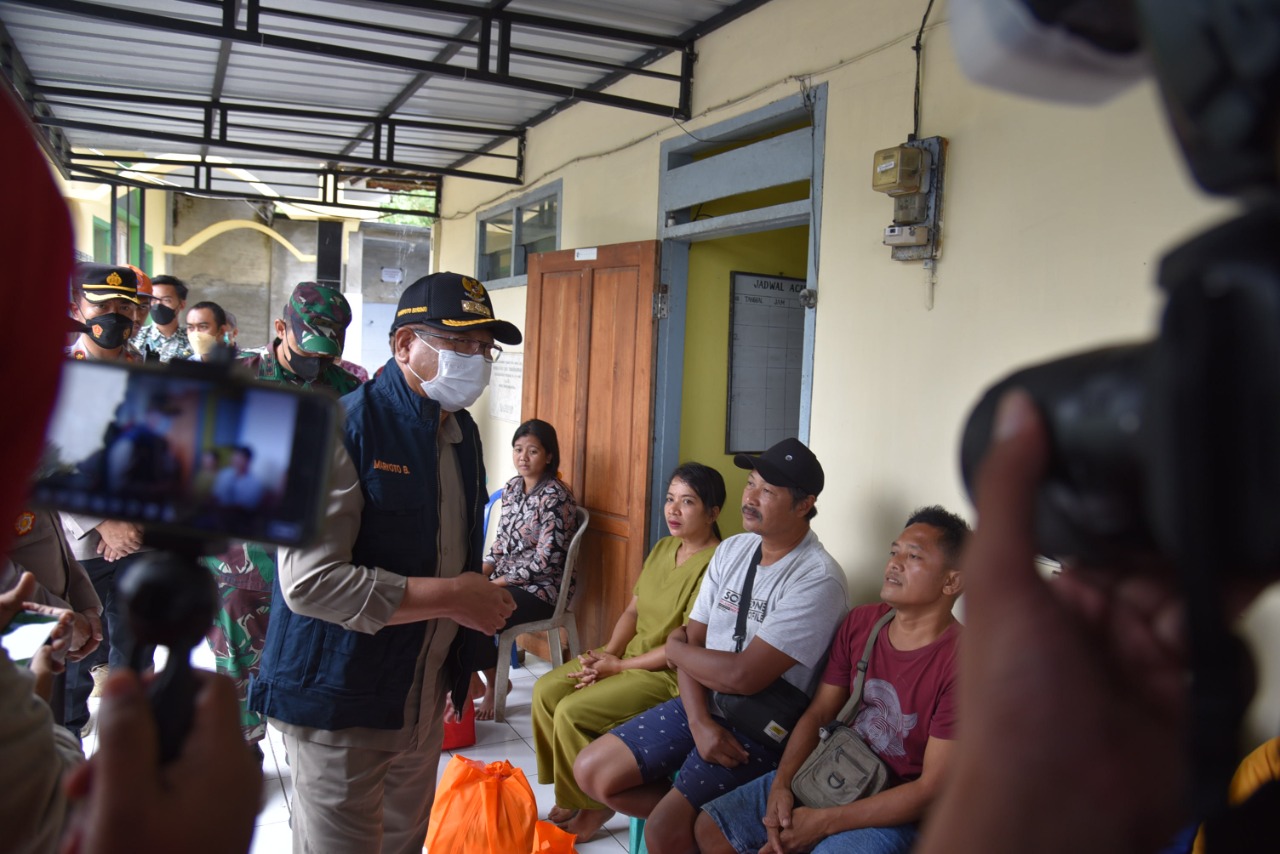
(583, 699)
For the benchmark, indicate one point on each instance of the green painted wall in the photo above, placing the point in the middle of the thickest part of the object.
(706, 345)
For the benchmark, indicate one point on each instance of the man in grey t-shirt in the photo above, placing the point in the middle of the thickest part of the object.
(798, 598)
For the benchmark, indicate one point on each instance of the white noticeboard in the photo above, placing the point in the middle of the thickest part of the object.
(766, 354)
(506, 384)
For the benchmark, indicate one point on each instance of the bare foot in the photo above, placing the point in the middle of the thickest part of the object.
(559, 815)
(484, 711)
(587, 823)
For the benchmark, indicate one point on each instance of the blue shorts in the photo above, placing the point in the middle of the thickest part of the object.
(662, 744)
(739, 816)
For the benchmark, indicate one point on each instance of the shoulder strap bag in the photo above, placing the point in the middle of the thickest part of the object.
(842, 768)
(767, 716)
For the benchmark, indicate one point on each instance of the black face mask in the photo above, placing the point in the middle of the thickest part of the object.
(162, 314)
(109, 331)
(307, 367)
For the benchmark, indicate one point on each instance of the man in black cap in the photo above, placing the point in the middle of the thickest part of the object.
(907, 716)
(104, 299)
(797, 597)
(362, 646)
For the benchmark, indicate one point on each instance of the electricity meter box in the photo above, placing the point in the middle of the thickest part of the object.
(900, 170)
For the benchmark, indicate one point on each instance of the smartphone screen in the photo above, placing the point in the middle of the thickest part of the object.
(188, 448)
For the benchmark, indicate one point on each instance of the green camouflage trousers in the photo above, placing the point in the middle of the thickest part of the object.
(244, 573)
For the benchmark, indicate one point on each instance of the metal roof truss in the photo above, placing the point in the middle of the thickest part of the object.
(221, 138)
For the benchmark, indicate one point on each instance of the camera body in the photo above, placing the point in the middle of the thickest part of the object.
(1161, 449)
(1165, 450)
(189, 450)
(1165, 454)
(196, 453)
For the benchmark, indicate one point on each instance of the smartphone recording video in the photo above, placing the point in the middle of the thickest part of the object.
(189, 449)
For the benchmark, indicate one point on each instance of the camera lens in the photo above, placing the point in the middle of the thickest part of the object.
(1091, 505)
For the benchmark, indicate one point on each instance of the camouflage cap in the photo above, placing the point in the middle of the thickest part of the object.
(319, 316)
(102, 282)
(452, 302)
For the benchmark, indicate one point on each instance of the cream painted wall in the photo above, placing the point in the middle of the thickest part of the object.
(508, 304)
(1054, 220)
(1046, 251)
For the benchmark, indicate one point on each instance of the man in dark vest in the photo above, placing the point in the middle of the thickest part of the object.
(361, 648)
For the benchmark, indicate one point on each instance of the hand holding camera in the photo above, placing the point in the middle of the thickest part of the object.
(1095, 656)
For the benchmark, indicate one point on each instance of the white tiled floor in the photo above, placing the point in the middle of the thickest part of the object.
(511, 740)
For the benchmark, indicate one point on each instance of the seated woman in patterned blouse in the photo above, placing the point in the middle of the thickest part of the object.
(539, 517)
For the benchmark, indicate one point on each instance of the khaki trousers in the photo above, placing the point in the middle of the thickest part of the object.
(356, 800)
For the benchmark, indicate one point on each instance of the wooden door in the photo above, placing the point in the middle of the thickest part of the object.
(589, 351)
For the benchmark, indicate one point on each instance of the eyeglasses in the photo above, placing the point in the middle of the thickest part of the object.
(465, 346)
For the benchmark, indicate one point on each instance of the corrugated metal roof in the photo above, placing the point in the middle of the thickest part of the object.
(404, 89)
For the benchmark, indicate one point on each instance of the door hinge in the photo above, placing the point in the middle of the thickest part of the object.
(661, 307)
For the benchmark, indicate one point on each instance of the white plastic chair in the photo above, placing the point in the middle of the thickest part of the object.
(562, 616)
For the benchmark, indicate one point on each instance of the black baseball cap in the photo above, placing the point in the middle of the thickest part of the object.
(452, 302)
(102, 282)
(789, 463)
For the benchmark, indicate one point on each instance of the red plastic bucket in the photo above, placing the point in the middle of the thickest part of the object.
(463, 732)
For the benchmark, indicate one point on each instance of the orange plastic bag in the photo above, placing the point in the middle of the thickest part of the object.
(549, 839)
(482, 809)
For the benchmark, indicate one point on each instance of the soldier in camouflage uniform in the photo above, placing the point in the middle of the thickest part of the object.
(309, 337)
(308, 340)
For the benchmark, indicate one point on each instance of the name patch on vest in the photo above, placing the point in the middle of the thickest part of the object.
(394, 468)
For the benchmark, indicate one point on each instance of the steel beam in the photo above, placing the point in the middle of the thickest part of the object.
(15, 72)
(542, 22)
(317, 156)
(687, 40)
(116, 181)
(269, 110)
(420, 80)
(254, 23)
(165, 23)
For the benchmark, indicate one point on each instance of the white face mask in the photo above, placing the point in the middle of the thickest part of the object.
(459, 379)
